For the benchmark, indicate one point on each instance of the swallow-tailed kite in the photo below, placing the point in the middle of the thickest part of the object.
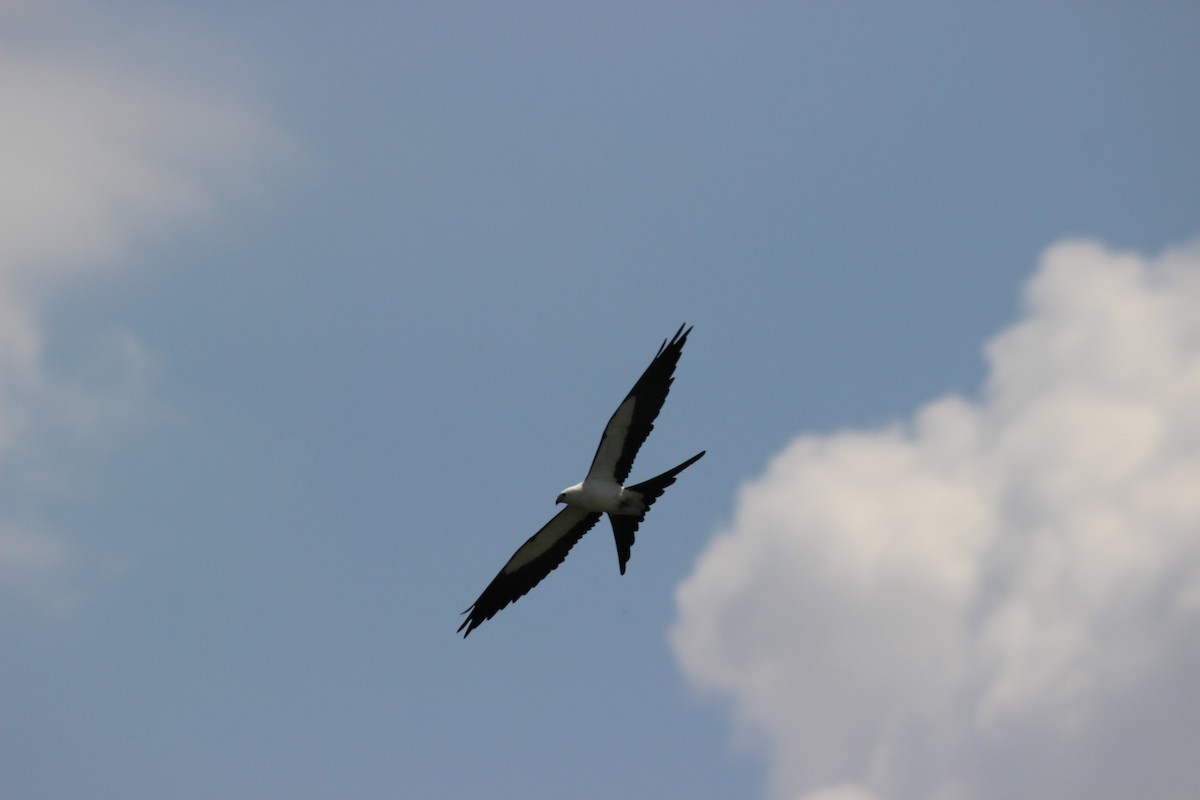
(600, 492)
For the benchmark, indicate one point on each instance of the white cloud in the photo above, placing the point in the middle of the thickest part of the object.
(998, 598)
(100, 151)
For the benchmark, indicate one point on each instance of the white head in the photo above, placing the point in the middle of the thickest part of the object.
(569, 494)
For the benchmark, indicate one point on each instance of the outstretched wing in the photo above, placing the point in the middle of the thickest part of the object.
(633, 420)
(534, 560)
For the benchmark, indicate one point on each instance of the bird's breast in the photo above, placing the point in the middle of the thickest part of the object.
(605, 496)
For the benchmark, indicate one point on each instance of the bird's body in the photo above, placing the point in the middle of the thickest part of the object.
(602, 491)
(607, 496)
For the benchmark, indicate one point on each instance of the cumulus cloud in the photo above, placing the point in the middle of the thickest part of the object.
(100, 151)
(998, 597)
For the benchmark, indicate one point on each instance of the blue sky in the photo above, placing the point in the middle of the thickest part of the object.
(308, 313)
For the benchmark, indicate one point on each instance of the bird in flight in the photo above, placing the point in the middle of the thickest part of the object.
(602, 491)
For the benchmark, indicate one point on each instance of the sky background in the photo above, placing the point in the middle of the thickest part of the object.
(307, 313)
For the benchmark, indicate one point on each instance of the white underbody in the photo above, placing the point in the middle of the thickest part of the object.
(607, 496)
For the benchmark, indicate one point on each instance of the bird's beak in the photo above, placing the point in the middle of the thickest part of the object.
(558, 500)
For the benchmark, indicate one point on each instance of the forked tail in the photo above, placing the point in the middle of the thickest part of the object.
(624, 527)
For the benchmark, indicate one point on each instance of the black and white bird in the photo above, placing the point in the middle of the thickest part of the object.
(601, 492)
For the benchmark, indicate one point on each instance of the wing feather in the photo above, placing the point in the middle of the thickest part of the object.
(534, 560)
(633, 420)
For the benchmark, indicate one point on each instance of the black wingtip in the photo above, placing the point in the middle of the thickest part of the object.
(470, 623)
(677, 340)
